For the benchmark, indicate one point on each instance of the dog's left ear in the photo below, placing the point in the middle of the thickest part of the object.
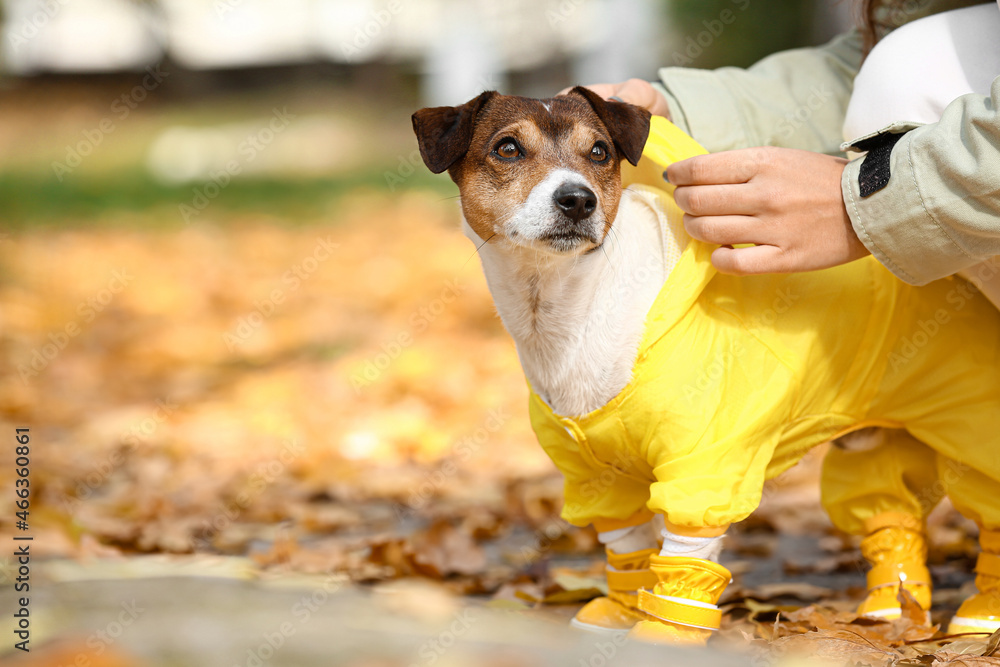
(444, 133)
(627, 123)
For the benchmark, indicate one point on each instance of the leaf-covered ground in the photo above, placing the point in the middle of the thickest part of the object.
(338, 399)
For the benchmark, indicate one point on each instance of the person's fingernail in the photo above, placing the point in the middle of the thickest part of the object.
(616, 98)
(665, 177)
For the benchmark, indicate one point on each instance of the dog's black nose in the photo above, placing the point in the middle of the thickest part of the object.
(576, 201)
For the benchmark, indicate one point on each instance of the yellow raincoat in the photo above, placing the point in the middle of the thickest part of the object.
(737, 377)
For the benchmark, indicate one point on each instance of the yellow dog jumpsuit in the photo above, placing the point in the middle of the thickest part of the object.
(737, 377)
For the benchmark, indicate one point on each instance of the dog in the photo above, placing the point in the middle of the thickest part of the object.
(667, 393)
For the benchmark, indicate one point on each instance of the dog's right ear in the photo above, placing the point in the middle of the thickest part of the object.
(444, 133)
(627, 123)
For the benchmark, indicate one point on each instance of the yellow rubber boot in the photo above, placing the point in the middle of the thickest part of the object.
(683, 604)
(896, 548)
(981, 612)
(619, 611)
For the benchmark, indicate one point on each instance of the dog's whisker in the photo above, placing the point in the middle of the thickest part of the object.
(607, 257)
(478, 248)
(617, 243)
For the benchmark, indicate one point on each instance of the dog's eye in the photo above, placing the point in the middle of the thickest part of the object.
(599, 153)
(507, 149)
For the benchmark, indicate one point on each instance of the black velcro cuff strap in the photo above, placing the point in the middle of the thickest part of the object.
(874, 173)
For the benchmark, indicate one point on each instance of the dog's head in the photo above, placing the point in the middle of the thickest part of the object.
(536, 173)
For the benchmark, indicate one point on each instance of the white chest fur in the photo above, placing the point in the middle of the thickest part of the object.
(577, 321)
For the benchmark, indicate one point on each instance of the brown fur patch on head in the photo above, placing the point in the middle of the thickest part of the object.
(558, 133)
(554, 134)
(443, 133)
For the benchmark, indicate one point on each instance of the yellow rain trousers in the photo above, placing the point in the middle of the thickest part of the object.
(738, 377)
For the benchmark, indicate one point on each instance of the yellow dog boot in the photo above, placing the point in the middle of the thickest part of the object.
(619, 611)
(683, 603)
(896, 548)
(981, 612)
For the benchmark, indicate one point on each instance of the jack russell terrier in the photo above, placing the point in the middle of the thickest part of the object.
(667, 393)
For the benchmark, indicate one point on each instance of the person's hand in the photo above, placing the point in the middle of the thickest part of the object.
(788, 202)
(634, 91)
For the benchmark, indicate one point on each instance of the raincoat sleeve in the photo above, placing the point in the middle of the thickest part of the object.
(794, 99)
(926, 202)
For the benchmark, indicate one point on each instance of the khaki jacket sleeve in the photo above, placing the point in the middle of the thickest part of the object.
(794, 99)
(928, 205)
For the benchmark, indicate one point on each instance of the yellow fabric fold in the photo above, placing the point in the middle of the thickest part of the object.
(737, 377)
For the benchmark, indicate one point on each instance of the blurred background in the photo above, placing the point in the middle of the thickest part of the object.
(250, 343)
(178, 84)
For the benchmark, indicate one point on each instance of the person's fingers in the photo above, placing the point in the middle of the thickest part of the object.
(660, 106)
(726, 229)
(751, 261)
(639, 93)
(717, 199)
(716, 168)
(605, 90)
(634, 91)
(642, 94)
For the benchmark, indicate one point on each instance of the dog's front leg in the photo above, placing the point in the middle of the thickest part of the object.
(682, 607)
(663, 585)
(628, 551)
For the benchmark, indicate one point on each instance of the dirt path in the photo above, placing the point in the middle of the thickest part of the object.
(169, 617)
